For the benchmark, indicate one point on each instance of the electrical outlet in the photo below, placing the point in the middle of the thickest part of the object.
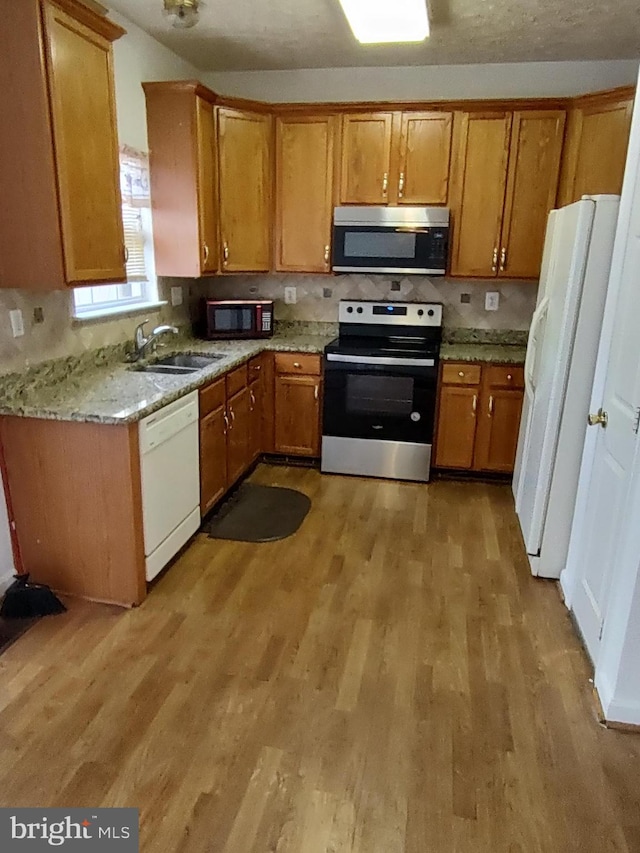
(465, 298)
(38, 315)
(17, 323)
(492, 301)
(290, 295)
(327, 293)
(176, 296)
(395, 286)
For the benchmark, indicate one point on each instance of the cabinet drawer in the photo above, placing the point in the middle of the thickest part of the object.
(254, 368)
(297, 362)
(504, 376)
(461, 374)
(236, 379)
(212, 397)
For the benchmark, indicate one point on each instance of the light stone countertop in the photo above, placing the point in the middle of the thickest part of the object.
(114, 393)
(489, 352)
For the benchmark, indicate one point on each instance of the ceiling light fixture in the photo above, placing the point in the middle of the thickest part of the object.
(383, 21)
(183, 13)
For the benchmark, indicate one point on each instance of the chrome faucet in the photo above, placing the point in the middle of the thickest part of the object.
(142, 343)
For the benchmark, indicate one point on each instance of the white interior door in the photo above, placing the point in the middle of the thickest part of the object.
(604, 483)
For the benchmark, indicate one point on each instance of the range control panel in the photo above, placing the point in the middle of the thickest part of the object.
(390, 313)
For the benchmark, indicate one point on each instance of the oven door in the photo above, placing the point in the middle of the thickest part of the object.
(390, 399)
(367, 248)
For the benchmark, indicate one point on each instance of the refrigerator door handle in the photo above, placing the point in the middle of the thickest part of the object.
(538, 314)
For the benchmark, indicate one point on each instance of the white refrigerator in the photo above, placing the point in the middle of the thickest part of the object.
(559, 368)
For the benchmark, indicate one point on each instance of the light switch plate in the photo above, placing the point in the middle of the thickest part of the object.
(17, 323)
(176, 296)
(290, 295)
(492, 301)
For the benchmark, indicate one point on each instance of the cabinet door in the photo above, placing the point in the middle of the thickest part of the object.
(532, 185)
(244, 162)
(477, 197)
(602, 149)
(213, 459)
(297, 415)
(207, 220)
(425, 151)
(366, 158)
(498, 425)
(86, 149)
(238, 435)
(456, 426)
(255, 420)
(304, 193)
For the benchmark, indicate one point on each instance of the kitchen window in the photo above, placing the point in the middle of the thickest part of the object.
(140, 291)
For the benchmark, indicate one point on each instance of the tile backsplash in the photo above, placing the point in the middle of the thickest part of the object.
(59, 335)
(317, 297)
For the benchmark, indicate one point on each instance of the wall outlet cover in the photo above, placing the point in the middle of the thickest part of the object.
(327, 293)
(17, 323)
(38, 314)
(176, 295)
(465, 298)
(395, 286)
(290, 295)
(492, 301)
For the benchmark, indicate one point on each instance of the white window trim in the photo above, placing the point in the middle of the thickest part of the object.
(116, 311)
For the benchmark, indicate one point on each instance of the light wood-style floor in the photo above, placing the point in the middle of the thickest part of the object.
(389, 679)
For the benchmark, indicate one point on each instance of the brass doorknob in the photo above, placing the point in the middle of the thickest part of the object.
(601, 417)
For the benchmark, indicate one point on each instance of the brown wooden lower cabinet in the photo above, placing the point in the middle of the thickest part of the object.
(213, 458)
(238, 413)
(297, 404)
(479, 417)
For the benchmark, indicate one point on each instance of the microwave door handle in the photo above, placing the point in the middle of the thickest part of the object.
(375, 360)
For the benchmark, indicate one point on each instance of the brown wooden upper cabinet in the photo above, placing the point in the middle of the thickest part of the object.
(395, 158)
(61, 217)
(596, 147)
(504, 183)
(304, 192)
(245, 180)
(182, 159)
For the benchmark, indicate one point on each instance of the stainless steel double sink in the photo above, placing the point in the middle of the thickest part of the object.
(179, 364)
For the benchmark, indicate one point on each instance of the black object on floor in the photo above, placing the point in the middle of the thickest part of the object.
(259, 514)
(11, 629)
(24, 600)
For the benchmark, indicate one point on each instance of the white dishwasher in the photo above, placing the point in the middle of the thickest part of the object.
(170, 473)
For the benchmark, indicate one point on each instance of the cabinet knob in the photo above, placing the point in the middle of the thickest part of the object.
(509, 376)
(401, 185)
(385, 183)
(297, 364)
(461, 373)
(503, 259)
(225, 251)
(326, 254)
(494, 260)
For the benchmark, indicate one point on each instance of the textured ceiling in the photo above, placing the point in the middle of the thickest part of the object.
(242, 35)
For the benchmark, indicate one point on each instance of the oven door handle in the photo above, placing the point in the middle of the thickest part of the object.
(375, 360)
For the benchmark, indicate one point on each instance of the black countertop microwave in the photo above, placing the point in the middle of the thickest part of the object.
(401, 240)
(235, 318)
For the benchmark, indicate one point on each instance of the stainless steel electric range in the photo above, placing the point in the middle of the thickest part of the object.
(381, 376)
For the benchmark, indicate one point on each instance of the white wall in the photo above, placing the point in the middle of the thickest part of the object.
(433, 82)
(140, 58)
(137, 58)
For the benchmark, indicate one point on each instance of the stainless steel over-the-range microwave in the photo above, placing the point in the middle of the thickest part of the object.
(391, 240)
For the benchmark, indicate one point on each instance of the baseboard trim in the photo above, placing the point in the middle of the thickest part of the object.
(613, 714)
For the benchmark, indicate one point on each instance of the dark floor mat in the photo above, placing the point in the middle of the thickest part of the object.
(259, 514)
(11, 629)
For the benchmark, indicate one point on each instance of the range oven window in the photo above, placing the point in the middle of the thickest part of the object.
(379, 244)
(379, 395)
(232, 318)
